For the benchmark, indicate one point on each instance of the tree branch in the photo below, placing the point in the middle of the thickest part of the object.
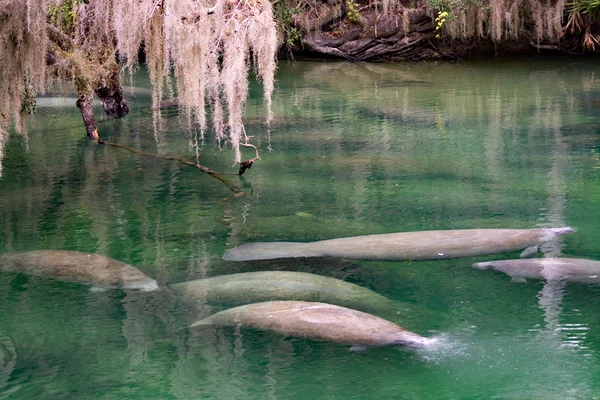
(63, 41)
(238, 192)
(543, 46)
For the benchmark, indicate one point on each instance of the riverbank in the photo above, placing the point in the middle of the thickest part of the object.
(410, 35)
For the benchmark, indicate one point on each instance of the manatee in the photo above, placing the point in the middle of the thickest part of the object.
(318, 321)
(72, 266)
(425, 245)
(254, 287)
(550, 269)
(54, 102)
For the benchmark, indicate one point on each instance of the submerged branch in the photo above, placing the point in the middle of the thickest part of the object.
(227, 182)
(543, 46)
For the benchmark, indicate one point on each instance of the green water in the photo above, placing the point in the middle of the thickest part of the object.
(355, 149)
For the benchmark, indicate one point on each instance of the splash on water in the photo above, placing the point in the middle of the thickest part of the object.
(442, 347)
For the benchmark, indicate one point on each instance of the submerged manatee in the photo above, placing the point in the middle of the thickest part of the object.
(254, 287)
(425, 245)
(318, 321)
(550, 269)
(72, 266)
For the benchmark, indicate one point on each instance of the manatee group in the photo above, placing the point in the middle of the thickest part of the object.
(425, 245)
(319, 321)
(312, 306)
(72, 266)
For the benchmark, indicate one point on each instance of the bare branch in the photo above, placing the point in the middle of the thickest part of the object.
(543, 46)
(182, 160)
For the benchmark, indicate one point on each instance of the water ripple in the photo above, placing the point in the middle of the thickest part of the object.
(8, 359)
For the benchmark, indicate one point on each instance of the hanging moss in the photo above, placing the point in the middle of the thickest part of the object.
(210, 49)
(501, 20)
(207, 48)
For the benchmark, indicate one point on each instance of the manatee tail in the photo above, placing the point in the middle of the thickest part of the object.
(203, 323)
(149, 286)
(271, 250)
(199, 324)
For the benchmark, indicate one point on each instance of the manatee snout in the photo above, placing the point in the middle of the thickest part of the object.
(483, 265)
(409, 339)
(555, 232)
(421, 343)
(566, 229)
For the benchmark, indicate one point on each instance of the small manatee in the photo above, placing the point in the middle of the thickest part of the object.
(73, 266)
(578, 270)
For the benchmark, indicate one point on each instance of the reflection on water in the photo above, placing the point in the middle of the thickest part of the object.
(8, 359)
(551, 295)
(550, 299)
(356, 149)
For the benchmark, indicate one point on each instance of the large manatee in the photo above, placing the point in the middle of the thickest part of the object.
(551, 269)
(425, 245)
(73, 266)
(318, 321)
(254, 287)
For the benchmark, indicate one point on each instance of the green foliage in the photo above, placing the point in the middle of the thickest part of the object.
(446, 5)
(64, 14)
(589, 7)
(451, 6)
(285, 17)
(353, 15)
(440, 20)
(447, 9)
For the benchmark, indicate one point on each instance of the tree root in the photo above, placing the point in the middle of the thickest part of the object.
(238, 192)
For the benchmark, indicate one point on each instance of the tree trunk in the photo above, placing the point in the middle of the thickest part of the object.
(113, 102)
(87, 113)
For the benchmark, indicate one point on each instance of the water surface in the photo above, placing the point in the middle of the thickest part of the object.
(354, 149)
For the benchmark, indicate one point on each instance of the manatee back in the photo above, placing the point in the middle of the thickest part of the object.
(254, 287)
(420, 245)
(269, 251)
(572, 270)
(476, 242)
(312, 320)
